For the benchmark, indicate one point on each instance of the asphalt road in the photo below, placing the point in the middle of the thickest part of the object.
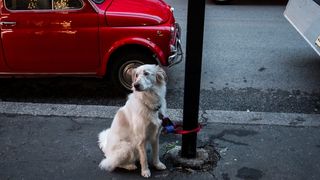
(253, 60)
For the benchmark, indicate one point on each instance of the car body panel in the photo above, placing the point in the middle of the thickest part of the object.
(51, 41)
(147, 37)
(137, 13)
(2, 64)
(81, 41)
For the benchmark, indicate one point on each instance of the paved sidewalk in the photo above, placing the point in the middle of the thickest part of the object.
(56, 147)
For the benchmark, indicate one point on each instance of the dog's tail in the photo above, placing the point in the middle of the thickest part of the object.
(122, 155)
(103, 136)
(107, 164)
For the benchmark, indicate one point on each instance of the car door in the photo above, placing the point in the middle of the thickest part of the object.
(2, 64)
(50, 36)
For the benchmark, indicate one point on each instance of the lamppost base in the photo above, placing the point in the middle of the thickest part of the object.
(206, 159)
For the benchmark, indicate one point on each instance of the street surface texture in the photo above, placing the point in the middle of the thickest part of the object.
(259, 104)
(253, 59)
(51, 147)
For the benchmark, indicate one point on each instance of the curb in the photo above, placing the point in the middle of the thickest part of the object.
(205, 116)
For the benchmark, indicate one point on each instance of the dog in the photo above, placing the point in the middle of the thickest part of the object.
(137, 123)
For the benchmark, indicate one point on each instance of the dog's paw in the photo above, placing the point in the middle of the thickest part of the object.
(160, 166)
(146, 173)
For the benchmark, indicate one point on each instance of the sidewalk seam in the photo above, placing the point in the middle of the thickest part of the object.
(206, 116)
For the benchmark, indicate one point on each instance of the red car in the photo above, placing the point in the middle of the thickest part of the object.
(86, 37)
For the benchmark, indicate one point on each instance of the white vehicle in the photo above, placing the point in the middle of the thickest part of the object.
(304, 15)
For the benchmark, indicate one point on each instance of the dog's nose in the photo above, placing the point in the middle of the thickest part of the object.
(137, 86)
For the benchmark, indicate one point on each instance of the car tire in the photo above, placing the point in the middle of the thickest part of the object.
(222, 2)
(123, 66)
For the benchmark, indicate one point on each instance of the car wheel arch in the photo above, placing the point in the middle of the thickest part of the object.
(126, 49)
(138, 44)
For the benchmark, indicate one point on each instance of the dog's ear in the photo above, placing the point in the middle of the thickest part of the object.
(161, 75)
(133, 75)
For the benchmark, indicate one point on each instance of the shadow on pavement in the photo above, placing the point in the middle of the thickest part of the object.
(60, 90)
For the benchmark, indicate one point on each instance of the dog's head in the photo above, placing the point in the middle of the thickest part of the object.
(148, 76)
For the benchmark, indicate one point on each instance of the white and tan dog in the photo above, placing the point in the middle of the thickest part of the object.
(137, 123)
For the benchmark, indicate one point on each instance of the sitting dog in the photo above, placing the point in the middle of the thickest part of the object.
(137, 123)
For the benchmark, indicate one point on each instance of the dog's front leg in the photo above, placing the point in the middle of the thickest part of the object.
(155, 152)
(145, 172)
(163, 109)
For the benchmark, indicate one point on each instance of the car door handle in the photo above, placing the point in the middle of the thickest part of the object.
(8, 23)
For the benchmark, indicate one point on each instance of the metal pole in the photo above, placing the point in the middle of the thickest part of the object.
(195, 26)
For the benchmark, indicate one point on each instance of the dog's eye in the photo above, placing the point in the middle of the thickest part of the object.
(136, 75)
(146, 73)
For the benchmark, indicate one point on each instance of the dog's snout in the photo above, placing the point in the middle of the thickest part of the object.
(137, 86)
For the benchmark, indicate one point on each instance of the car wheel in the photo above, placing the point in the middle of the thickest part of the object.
(123, 66)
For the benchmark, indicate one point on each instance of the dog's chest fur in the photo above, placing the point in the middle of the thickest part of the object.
(147, 107)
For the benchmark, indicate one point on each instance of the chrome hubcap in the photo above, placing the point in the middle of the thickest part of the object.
(125, 73)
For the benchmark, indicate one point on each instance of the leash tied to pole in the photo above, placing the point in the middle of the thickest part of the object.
(169, 127)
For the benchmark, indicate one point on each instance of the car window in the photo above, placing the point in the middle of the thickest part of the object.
(67, 4)
(43, 4)
(28, 4)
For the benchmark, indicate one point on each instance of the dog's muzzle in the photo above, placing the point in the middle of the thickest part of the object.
(137, 86)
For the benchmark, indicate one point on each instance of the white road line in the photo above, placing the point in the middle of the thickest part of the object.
(209, 116)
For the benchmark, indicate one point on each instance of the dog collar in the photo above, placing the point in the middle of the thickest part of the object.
(157, 108)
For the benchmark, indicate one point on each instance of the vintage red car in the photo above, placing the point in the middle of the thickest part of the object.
(86, 37)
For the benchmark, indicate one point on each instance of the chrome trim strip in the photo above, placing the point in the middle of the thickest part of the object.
(177, 55)
(8, 23)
